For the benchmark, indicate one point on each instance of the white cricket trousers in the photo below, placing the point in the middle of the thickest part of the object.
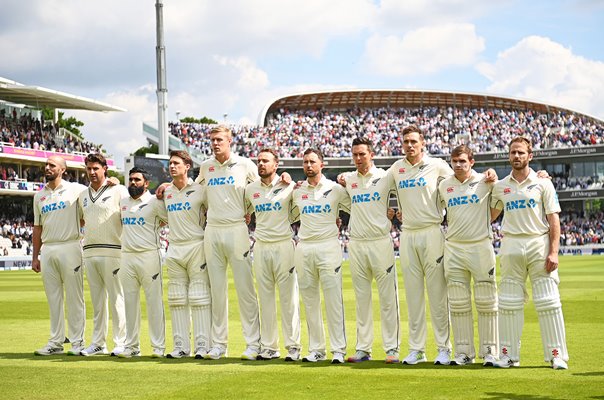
(62, 269)
(144, 270)
(522, 257)
(319, 266)
(464, 262)
(189, 296)
(375, 259)
(226, 245)
(274, 268)
(421, 256)
(105, 283)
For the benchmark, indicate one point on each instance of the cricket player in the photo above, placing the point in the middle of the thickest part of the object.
(225, 176)
(189, 296)
(531, 229)
(56, 239)
(372, 252)
(469, 255)
(421, 246)
(271, 202)
(318, 257)
(100, 205)
(142, 216)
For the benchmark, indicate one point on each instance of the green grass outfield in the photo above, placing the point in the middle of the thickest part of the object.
(24, 327)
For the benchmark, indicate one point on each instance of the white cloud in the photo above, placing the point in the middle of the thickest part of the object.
(395, 16)
(263, 26)
(121, 132)
(423, 51)
(538, 68)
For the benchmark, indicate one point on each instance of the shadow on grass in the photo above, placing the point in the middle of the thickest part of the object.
(594, 373)
(366, 365)
(502, 396)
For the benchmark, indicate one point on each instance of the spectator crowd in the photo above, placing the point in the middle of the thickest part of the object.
(31, 133)
(485, 130)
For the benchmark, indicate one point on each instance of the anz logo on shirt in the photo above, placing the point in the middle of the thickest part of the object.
(411, 183)
(365, 197)
(519, 204)
(316, 209)
(178, 207)
(53, 207)
(267, 207)
(463, 200)
(133, 221)
(221, 180)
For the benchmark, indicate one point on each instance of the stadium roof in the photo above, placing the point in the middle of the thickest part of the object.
(345, 99)
(38, 97)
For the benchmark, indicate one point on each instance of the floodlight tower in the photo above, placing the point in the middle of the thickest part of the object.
(162, 86)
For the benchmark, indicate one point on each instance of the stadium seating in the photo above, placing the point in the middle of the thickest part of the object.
(485, 130)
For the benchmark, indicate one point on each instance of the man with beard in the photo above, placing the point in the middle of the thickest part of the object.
(318, 258)
(531, 239)
(142, 216)
(100, 205)
(271, 202)
(56, 239)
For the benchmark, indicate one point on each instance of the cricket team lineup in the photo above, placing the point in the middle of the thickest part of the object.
(207, 219)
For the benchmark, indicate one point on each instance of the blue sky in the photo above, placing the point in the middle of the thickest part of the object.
(233, 56)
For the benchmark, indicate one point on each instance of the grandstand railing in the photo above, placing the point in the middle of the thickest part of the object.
(9, 150)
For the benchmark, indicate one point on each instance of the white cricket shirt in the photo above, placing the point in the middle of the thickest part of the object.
(225, 187)
(468, 206)
(57, 212)
(417, 188)
(525, 204)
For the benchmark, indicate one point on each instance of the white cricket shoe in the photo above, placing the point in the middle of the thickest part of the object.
(117, 350)
(268, 354)
(157, 353)
(443, 357)
(506, 362)
(49, 350)
(201, 353)
(314, 356)
(129, 352)
(359, 356)
(216, 353)
(337, 358)
(392, 357)
(489, 360)
(178, 353)
(75, 350)
(558, 363)
(250, 354)
(94, 350)
(293, 354)
(415, 357)
(462, 359)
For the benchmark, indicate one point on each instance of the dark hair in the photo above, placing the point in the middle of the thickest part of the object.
(95, 158)
(184, 155)
(413, 128)
(271, 151)
(137, 170)
(462, 149)
(357, 141)
(315, 151)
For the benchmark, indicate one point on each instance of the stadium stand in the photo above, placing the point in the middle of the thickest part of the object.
(27, 132)
(485, 130)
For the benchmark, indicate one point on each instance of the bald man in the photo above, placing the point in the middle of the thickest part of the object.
(57, 254)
